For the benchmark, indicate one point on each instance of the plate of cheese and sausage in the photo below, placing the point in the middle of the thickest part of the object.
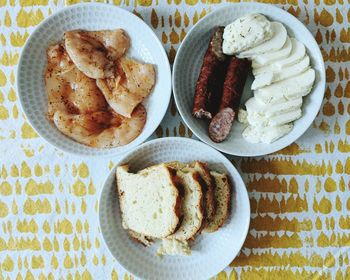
(256, 82)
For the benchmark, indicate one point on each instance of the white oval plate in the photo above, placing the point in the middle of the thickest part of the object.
(211, 252)
(145, 46)
(187, 65)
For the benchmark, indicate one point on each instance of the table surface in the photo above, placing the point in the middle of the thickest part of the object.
(300, 198)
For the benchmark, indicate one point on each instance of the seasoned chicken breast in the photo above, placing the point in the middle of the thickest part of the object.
(68, 88)
(94, 92)
(133, 82)
(94, 52)
(101, 129)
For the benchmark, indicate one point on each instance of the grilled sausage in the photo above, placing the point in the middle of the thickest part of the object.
(220, 125)
(236, 75)
(210, 80)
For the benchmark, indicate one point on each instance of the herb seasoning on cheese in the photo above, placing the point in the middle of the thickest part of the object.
(245, 33)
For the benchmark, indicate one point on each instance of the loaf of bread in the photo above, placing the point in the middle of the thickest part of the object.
(150, 202)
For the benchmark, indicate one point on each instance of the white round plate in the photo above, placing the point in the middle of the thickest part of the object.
(211, 253)
(145, 46)
(187, 65)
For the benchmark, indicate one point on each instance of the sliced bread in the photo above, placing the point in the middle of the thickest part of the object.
(193, 208)
(210, 203)
(150, 202)
(223, 201)
(207, 183)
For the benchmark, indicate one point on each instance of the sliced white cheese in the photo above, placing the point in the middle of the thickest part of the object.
(297, 54)
(285, 118)
(252, 134)
(269, 57)
(275, 43)
(292, 70)
(261, 80)
(266, 135)
(257, 120)
(264, 121)
(256, 107)
(291, 88)
(272, 134)
(246, 32)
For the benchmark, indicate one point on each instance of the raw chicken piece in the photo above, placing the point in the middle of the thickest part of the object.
(133, 82)
(68, 88)
(94, 52)
(101, 129)
(115, 41)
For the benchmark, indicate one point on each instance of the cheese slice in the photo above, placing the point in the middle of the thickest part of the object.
(246, 32)
(266, 135)
(270, 77)
(269, 57)
(256, 107)
(291, 88)
(275, 43)
(297, 54)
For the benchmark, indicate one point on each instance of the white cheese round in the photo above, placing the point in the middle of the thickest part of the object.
(245, 33)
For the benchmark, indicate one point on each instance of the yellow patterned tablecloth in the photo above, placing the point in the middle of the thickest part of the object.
(300, 196)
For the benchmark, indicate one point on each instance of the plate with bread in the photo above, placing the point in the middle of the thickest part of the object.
(256, 83)
(174, 208)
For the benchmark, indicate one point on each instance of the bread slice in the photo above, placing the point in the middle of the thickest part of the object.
(150, 202)
(210, 203)
(208, 184)
(193, 202)
(193, 209)
(223, 201)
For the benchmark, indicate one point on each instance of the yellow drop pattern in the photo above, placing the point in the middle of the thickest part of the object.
(300, 202)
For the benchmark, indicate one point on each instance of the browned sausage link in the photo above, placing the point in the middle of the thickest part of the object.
(204, 92)
(236, 76)
(220, 125)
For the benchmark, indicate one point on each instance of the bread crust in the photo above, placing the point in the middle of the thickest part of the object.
(179, 201)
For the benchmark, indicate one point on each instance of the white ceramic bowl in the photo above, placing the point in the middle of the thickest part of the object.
(211, 252)
(145, 46)
(189, 60)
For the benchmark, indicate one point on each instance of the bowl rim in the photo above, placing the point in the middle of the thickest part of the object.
(185, 140)
(162, 55)
(322, 79)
